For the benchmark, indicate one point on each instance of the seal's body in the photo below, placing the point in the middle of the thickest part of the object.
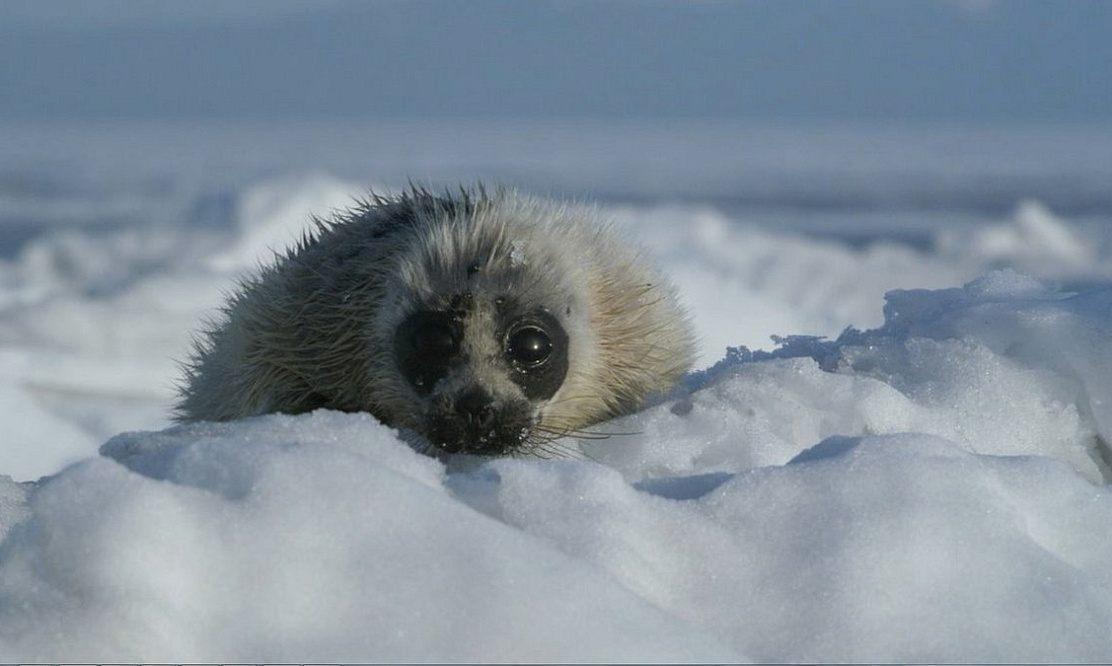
(483, 323)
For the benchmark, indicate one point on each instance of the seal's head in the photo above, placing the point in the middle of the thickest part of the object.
(490, 325)
(478, 323)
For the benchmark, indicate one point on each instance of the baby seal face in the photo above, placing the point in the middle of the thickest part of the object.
(482, 372)
(485, 333)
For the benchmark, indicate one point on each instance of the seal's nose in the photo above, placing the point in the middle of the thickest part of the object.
(476, 409)
(477, 421)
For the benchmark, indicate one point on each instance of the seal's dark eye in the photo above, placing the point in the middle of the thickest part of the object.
(535, 347)
(425, 345)
(434, 339)
(529, 346)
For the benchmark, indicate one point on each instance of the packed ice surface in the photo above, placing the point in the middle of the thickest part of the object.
(929, 490)
(924, 483)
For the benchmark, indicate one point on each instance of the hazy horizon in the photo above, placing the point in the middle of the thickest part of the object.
(790, 60)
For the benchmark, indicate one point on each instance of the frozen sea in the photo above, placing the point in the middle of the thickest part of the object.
(894, 447)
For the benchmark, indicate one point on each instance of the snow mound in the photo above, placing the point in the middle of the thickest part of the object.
(924, 491)
(1001, 366)
(743, 283)
(274, 215)
(1034, 239)
(285, 539)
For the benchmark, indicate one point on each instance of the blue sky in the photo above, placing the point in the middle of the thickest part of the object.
(870, 60)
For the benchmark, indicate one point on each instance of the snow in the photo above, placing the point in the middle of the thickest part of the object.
(324, 537)
(894, 448)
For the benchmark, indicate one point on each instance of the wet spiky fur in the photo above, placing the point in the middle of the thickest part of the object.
(316, 328)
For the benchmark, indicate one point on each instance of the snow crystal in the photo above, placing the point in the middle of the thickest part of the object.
(517, 253)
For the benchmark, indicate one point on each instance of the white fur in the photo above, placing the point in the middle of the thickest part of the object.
(316, 328)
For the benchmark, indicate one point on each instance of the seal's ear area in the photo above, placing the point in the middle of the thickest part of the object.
(362, 315)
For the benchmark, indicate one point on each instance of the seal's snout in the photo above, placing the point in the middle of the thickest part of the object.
(475, 422)
(476, 409)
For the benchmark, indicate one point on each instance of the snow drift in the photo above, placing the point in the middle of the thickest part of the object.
(928, 490)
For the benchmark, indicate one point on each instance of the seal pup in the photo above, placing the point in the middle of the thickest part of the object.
(491, 323)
